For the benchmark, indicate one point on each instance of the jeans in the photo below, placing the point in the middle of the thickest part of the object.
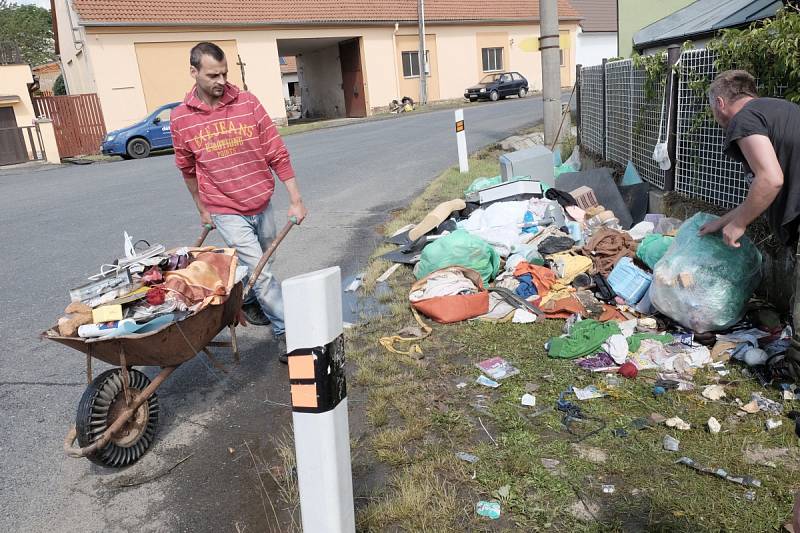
(250, 235)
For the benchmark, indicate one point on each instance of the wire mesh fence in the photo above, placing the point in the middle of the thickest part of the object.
(703, 171)
(649, 125)
(618, 111)
(591, 94)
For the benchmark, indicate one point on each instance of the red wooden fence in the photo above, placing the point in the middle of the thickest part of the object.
(77, 120)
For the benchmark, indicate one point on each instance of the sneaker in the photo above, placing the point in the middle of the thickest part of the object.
(281, 341)
(254, 314)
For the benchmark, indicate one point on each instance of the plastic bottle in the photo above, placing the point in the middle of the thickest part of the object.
(120, 327)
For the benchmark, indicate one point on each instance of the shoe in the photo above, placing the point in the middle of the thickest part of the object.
(254, 314)
(281, 341)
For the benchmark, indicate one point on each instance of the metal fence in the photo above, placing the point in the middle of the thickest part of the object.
(618, 122)
(703, 171)
(592, 123)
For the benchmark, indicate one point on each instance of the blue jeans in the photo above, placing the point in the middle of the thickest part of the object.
(251, 235)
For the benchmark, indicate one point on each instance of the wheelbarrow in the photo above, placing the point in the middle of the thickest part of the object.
(118, 413)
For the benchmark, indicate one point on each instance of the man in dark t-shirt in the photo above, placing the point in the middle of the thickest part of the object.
(764, 135)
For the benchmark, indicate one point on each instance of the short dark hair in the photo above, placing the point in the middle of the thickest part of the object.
(732, 85)
(205, 49)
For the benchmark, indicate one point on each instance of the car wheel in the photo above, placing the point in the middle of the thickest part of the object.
(494, 96)
(523, 92)
(138, 148)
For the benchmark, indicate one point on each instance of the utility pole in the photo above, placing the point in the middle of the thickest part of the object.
(551, 69)
(423, 82)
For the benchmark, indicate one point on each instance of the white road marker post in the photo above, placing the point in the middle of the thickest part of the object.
(461, 139)
(315, 346)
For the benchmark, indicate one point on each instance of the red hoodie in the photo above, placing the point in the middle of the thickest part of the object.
(231, 150)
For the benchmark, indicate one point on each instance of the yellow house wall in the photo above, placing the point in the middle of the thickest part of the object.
(14, 80)
(455, 62)
(74, 58)
(113, 53)
(410, 86)
(460, 61)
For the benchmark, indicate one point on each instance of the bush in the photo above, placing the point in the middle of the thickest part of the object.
(59, 87)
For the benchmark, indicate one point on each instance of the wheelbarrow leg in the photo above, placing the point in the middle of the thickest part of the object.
(219, 366)
(89, 354)
(120, 422)
(234, 344)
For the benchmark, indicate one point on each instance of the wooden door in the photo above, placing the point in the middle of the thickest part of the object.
(12, 144)
(355, 102)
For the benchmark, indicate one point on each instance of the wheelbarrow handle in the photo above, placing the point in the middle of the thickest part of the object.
(206, 230)
(267, 254)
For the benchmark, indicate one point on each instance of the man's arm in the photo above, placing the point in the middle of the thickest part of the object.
(191, 184)
(763, 161)
(184, 160)
(277, 157)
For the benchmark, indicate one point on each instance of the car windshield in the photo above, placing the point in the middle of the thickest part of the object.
(489, 78)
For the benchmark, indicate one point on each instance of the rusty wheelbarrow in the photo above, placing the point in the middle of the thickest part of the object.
(118, 413)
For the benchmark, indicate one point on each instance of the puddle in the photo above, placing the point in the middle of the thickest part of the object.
(358, 307)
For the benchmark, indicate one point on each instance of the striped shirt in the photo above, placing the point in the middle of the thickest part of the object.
(231, 150)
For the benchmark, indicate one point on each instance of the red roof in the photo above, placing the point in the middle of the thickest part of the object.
(222, 12)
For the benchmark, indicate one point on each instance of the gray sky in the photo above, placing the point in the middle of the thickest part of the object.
(40, 3)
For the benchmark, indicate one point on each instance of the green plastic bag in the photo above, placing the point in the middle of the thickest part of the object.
(460, 248)
(702, 283)
(482, 183)
(652, 248)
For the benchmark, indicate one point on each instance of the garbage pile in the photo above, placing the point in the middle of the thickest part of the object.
(639, 291)
(148, 290)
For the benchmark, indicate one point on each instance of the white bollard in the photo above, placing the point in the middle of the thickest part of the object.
(461, 139)
(315, 345)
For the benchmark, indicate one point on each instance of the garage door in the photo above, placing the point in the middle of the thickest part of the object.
(164, 70)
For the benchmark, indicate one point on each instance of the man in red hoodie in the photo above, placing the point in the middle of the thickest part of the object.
(227, 149)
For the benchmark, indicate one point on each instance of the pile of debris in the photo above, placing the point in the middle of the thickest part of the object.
(147, 290)
(639, 291)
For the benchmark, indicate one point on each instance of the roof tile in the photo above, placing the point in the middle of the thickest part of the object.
(306, 11)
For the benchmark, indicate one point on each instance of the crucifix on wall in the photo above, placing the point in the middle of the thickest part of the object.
(241, 67)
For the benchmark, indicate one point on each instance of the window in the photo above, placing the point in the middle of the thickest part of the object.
(163, 116)
(411, 64)
(516, 77)
(561, 56)
(492, 59)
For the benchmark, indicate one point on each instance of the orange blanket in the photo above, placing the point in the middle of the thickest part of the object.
(207, 280)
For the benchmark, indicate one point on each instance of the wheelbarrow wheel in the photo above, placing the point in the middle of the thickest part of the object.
(102, 402)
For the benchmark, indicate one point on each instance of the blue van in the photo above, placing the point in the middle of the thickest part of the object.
(136, 142)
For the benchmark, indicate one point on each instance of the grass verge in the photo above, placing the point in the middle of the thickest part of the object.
(418, 418)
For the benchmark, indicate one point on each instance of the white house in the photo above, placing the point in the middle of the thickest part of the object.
(597, 33)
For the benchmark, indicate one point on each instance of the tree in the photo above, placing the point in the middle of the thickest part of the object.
(59, 87)
(29, 27)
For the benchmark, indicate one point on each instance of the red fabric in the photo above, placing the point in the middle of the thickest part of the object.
(543, 277)
(231, 150)
(455, 308)
(628, 370)
(155, 296)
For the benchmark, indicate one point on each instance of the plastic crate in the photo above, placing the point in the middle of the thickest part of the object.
(629, 281)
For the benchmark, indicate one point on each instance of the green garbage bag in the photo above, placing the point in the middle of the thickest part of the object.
(702, 283)
(460, 248)
(652, 248)
(482, 183)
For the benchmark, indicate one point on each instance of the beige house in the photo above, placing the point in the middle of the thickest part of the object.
(353, 56)
(22, 137)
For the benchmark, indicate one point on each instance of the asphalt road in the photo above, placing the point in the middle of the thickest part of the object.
(60, 224)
